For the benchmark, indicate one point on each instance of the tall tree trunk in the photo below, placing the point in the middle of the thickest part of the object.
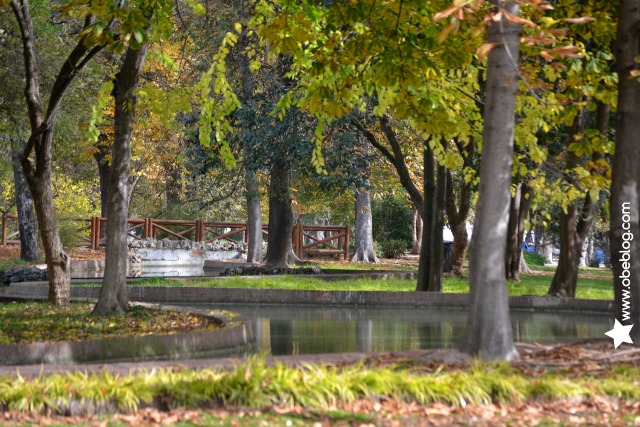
(424, 265)
(488, 332)
(114, 295)
(254, 218)
(280, 216)
(364, 228)
(576, 221)
(625, 185)
(29, 249)
(437, 244)
(40, 184)
(416, 232)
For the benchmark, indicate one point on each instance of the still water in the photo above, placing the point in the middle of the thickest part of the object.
(283, 330)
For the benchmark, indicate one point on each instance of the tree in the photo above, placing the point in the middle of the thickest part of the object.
(114, 296)
(431, 252)
(518, 211)
(363, 232)
(280, 215)
(577, 217)
(625, 185)
(457, 206)
(29, 248)
(488, 333)
(36, 154)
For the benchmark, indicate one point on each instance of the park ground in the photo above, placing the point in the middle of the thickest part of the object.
(548, 372)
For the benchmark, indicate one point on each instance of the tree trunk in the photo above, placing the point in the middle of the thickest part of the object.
(114, 295)
(280, 216)
(254, 218)
(416, 232)
(575, 222)
(437, 244)
(395, 157)
(57, 260)
(524, 267)
(517, 214)
(488, 333)
(457, 217)
(539, 238)
(29, 249)
(39, 145)
(512, 236)
(363, 233)
(427, 220)
(625, 185)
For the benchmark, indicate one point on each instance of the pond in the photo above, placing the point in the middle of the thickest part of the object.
(285, 330)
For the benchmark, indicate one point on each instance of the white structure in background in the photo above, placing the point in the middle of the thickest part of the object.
(447, 235)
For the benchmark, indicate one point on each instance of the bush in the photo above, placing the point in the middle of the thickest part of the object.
(392, 219)
(393, 248)
(534, 259)
(70, 235)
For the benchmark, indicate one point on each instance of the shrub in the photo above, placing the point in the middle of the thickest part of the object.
(392, 219)
(393, 248)
(534, 259)
(70, 234)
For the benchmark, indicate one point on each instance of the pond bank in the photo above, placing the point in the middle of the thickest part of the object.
(165, 294)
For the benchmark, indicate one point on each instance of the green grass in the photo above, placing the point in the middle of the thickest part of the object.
(598, 285)
(256, 385)
(37, 322)
(14, 262)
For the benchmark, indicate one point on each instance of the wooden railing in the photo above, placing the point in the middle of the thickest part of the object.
(91, 231)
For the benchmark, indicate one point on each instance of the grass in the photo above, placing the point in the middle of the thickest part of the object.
(598, 285)
(37, 322)
(256, 385)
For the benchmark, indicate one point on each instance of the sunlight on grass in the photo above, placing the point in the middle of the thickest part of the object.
(590, 286)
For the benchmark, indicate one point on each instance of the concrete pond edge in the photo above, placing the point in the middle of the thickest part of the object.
(234, 338)
(201, 295)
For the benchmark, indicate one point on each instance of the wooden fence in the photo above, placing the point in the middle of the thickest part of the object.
(307, 240)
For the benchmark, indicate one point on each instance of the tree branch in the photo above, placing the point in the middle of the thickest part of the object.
(400, 165)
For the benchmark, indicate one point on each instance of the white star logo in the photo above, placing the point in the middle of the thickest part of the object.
(620, 333)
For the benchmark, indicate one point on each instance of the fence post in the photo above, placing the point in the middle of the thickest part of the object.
(299, 235)
(346, 244)
(200, 231)
(4, 229)
(147, 228)
(301, 240)
(92, 233)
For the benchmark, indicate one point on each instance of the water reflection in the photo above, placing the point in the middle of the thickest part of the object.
(284, 330)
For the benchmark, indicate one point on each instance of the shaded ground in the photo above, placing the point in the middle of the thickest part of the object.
(368, 413)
